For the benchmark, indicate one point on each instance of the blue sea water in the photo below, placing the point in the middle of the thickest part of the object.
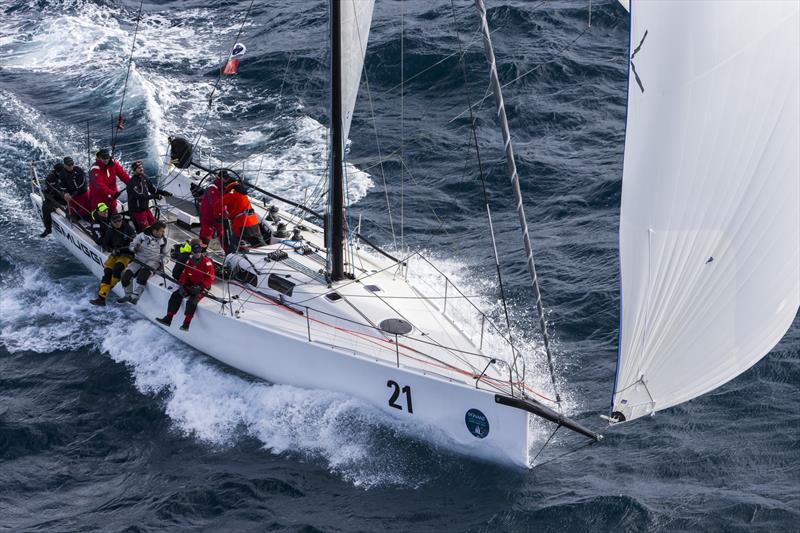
(107, 423)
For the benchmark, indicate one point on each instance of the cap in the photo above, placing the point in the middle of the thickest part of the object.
(58, 167)
(68, 161)
(103, 153)
(102, 207)
(136, 164)
(116, 217)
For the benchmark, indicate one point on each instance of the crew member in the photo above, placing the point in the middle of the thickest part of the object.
(103, 185)
(180, 253)
(76, 190)
(140, 191)
(244, 222)
(52, 197)
(195, 280)
(116, 242)
(212, 212)
(148, 248)
(100, 222)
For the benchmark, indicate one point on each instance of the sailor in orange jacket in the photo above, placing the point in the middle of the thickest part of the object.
(195, 280)
(244, 222)
(103, 182)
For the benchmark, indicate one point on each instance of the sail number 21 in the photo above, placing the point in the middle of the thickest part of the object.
(396, 394)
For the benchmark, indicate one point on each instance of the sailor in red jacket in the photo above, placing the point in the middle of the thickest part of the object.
(195, 280)
(103, 182)
(212, 213)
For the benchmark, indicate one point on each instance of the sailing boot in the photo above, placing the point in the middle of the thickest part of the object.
(45, 233)
(166, 320)
(187, 320)
(100, 301)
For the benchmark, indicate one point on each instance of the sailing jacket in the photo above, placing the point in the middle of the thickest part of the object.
(103, 187)
(75, 182)
(118, 240)
(140, 192)
(239, 208)
(211, 206)
(149, 250)
(198, 273)
(54, 188)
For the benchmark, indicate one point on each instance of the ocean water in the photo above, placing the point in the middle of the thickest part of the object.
(108, 424)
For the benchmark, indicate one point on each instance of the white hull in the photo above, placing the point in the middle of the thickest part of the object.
(439, 405)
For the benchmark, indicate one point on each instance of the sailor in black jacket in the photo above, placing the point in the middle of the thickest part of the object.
(140, 191)
(52, 197)
(76, 190)
(116, 241)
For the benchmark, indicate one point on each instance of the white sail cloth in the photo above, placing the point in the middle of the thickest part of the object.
(710, 220)
(356, 18)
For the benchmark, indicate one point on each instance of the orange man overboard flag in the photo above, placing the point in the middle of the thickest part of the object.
(233, 60)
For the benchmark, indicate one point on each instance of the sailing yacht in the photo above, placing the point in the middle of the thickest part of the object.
(709, 243)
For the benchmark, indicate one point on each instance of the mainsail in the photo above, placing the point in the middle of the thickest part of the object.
(356, 18)
(710, 220)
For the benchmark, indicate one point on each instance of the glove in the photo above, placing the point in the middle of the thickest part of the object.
(165, 194)
(194, 290)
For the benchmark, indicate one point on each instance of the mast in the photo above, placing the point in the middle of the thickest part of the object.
(335, 227)
(512, 172)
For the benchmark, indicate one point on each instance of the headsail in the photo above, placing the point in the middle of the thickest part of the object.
(710, 221)
(356, 18)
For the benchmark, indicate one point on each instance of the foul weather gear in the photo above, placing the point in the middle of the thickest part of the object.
(195, 279)
(118, 240)
(52, 197)
(112, 271)
(77, 187)
(140, 191)
(212, 214)
(240, 210)
(103, 183)
(149, 258)
(180, 253)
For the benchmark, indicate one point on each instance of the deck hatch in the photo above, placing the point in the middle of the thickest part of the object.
(282, 285)
(396, 326)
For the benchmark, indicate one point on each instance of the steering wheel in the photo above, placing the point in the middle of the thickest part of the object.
(212, 174)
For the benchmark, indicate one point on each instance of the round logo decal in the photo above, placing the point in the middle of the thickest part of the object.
(477, 423)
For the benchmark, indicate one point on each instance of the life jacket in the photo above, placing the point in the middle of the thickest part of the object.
(239, 208)
(198, 273)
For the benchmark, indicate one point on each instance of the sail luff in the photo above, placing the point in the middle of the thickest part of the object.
(335, 239)
(350, 24)
(514, 177)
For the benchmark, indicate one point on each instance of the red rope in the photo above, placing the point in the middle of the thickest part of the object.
(373, 339)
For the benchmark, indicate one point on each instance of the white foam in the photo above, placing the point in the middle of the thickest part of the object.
(525, 333)
(204, 400)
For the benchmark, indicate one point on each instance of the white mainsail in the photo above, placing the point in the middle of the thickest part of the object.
(355, 24)
(710, 220)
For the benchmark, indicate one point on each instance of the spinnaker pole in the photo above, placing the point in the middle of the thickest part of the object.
(335, 228)
(512, 172)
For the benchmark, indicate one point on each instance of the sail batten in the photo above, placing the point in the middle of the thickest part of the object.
(710, 218)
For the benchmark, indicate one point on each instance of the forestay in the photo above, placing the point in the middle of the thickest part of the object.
(710, 222)
(355, 24)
